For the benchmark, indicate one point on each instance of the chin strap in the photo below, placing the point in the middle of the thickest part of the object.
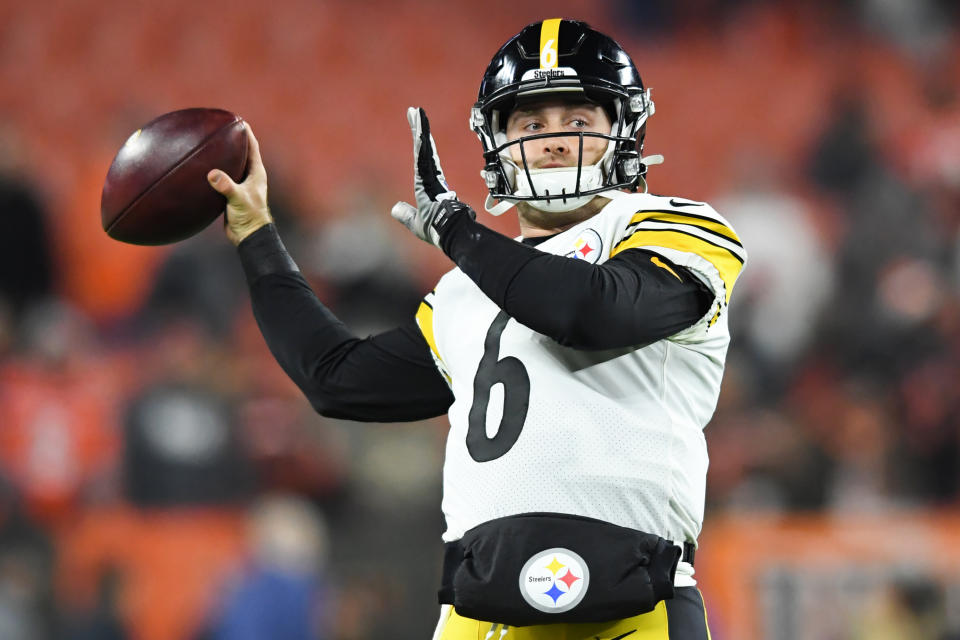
(495, 208)
(656, 158)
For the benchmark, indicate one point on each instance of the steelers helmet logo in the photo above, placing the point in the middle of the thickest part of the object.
(554, 580)
(587, 246)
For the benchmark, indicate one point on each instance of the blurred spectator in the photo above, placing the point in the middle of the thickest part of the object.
(27, 607)
(199, 280)
(785, 468)
(281, 593)
(844, 154)
(294, 450)
(659, 18)
(927, 151)
(651, 18)
(26, 270)
(909, 607)
(104, 621)
(791, 271)
(180, 449)
(156, 570)
(370, 285)
(927, 445)
(860, 441)
(888, 286)
(59, 405)
(181, 442)
(919, 27)
(26, 265)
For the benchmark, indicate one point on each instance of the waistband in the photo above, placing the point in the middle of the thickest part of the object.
(453, 556)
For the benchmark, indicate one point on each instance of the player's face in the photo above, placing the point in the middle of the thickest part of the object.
(554, 115)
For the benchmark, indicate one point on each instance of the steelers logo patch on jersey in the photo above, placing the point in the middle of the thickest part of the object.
(588, 246)
(554, 580)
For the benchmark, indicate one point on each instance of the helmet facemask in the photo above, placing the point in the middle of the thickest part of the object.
(564, 188)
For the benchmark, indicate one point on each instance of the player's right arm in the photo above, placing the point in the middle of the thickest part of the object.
(384, 378)
(388, 377)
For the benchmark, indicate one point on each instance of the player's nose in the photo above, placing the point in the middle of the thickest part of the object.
(557, 145)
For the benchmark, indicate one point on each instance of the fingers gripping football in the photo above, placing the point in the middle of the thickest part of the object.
(247, 208)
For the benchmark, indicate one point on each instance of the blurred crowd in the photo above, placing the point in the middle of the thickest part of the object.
(160, 478)
(845, 368)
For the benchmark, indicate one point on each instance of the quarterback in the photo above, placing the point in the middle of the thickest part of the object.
(578, 364)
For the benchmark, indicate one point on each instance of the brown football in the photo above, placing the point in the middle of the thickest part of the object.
(156, 191)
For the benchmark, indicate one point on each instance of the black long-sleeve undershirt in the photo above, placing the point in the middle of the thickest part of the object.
(629, 300)
(389, 377)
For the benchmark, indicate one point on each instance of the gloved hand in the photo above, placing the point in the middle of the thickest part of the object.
(436, 203)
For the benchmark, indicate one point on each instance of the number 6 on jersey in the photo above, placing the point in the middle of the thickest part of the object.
(509, 372)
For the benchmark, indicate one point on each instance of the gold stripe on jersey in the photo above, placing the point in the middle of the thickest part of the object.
(702, 222)
(657, 261)
(705, 621)
(716, 316)
(425, 322)
(727, 263)
(724, 251)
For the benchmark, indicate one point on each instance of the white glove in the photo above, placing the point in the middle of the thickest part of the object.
(429, 185)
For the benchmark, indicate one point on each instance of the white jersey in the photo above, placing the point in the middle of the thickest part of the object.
(615, 435)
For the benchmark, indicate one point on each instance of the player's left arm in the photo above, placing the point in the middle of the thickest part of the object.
(635, 298)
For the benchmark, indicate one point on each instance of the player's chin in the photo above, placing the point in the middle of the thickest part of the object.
(544, 219)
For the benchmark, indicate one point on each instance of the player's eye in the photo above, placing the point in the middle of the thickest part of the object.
(533, 126)
(579, 123)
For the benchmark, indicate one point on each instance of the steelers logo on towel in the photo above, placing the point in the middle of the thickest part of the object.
(554, 580)
(588, 246)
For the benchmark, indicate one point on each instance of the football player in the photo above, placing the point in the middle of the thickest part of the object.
(578, 364)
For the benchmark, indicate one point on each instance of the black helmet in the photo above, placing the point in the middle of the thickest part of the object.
(562, 57)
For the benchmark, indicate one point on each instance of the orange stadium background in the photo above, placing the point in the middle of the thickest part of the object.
(828, 133)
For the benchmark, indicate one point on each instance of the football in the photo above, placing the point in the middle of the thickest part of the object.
(156, 191)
